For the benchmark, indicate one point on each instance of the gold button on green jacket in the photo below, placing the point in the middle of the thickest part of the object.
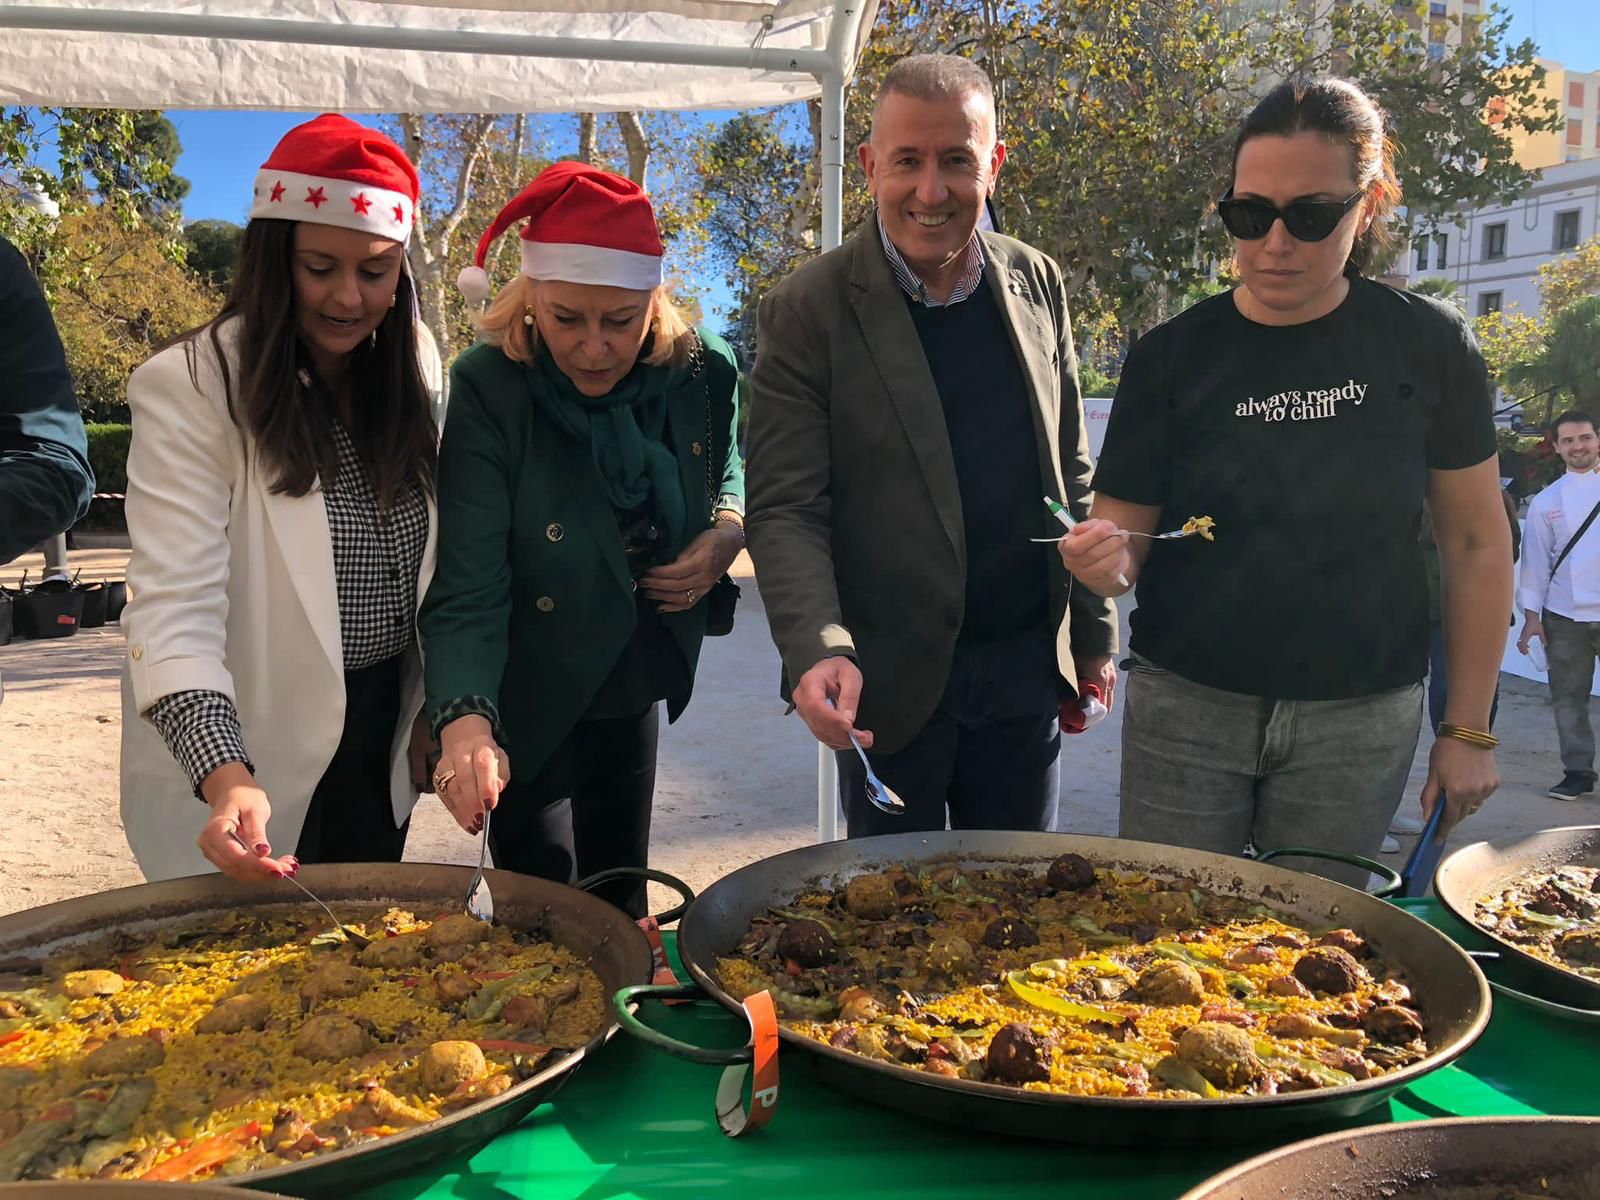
(531, 601)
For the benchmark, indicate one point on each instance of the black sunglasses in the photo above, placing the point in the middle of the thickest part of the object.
(1306, 220)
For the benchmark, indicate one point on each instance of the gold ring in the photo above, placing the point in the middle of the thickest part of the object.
(441, 780)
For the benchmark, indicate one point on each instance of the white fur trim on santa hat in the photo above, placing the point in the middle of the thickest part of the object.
(572, 262)
(473, 283)
(289, 196)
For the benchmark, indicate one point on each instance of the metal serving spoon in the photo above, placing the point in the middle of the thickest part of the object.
(480, 903)
(359, 940)
(879, 794)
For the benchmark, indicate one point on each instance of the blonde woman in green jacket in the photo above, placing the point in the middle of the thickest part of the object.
(590, 498)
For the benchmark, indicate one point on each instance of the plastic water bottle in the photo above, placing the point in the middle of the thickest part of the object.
(1536, 655)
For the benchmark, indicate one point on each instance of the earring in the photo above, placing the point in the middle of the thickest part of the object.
(393, 296)
(373, 340)
(527, 316)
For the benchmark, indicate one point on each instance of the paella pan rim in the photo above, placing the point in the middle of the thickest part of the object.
(367, 884)
(1223, 1185)
(1117, 853)
(1453, 896)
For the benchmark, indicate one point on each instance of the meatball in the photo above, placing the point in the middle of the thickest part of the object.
(1392, 1024)
(235, 1015)
(1347, 940)
(1328, 969)
(332, 981)
(393, 953)
(456, 931)
(1580, 946)
(806, 942)
(1005, 933)
(331, 1036)
(950, 955)
(1167, 983)
(1222, 1053)
(125, 1056)
(871, 896)
(445, 1066)
(1070, 873)
(1018, 1055)
(80, 985)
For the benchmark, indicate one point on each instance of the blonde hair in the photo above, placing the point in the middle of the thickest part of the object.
(504, 325)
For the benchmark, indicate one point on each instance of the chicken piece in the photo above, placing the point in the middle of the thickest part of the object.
(1348, 940)
(447, 1065)
(1288, 986)
(332, 981)
(871, 896)
(1225, 1055)
(379, 1106)
(292, 1137)
(478, 1089)
(1580, 946)
(1166, 983)
(457, 932)
(10, 1010)
(454, 987)
(125, 1056)
(1349, 1061)
(856, 1004)
(1253, 956)
(393, 953)
(236, 1014)
(80, 985)
(330, 1037)
(1392, 1025)
(1298, 1025)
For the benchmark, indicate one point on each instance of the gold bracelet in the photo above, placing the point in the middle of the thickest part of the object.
(1473, 737)
(727, 518)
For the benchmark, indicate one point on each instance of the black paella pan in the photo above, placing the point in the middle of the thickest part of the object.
(1484, 868)
(1449, 988)
(600, 934)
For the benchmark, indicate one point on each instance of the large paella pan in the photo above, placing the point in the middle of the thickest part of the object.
(203, 1028)
(1010, 947)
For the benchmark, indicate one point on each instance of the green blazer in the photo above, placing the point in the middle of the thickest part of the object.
(531, 602)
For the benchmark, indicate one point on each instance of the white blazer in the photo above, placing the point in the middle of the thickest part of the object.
(232, 590)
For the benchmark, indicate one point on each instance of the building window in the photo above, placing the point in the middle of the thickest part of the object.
(1597, 135)
(1566, 230)
(1422, 254)
(1441, 247)
(1489, 302)
(1435, 51)
(1574, 131)
(1436, 9)
(1494, 241)
(1574, 95)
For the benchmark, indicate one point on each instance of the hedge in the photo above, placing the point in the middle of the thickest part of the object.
(108, 455)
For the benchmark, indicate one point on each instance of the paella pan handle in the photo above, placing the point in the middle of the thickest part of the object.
(1390, 875)
(625, 999)
(671, 881)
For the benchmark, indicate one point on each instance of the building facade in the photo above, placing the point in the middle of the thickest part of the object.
(1493, 253)
(1578, 95)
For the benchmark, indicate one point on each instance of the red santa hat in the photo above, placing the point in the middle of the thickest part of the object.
(332, 171)
(583, 226)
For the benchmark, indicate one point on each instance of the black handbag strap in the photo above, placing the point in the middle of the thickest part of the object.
(1573, 540)
(697, 370)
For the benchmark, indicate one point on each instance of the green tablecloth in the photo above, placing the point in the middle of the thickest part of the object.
(636, 1123)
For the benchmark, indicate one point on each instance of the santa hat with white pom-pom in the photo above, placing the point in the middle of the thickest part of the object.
(583, 226)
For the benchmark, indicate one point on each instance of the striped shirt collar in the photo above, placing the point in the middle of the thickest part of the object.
(971, 276)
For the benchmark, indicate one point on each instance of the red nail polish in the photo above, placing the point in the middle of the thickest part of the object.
(263, 848)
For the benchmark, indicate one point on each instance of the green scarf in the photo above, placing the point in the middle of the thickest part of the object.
(625, 430)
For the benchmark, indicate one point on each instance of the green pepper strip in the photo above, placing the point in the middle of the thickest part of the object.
(1201, 963)
(1262, 1004)
(1543, 919)
(1178, 1074)
(1039, 998)
(1320, 1071)
(1085, 925)
(486, 1003)
(805, 1006)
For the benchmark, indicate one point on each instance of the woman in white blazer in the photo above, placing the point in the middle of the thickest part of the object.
(280, 503)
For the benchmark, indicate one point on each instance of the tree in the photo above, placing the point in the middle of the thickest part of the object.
(1567, 365)
(1439, 288)
(1507, 338)
(212, 250)
(146, 176)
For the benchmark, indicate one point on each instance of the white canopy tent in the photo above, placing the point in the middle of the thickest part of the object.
(449, 56)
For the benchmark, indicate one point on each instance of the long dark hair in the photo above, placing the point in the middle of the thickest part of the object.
(290, 425)
(1345, 115)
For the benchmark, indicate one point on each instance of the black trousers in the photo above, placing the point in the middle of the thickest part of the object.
(587, 810)
(351, 818)
(986, 759)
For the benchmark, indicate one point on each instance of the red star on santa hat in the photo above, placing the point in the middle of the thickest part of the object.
(399, 213)
(315, 198)
(360, 203)
(277, 192)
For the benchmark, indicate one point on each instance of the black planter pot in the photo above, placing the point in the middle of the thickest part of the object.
(50, 611)
(7, 609)
(116, 598)
(94, 605)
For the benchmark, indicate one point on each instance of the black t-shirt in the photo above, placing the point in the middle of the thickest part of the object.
(1310, 445)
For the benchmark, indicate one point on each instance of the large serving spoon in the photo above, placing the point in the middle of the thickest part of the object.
(359, 940)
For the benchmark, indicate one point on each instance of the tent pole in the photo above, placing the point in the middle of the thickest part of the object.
(832, 234)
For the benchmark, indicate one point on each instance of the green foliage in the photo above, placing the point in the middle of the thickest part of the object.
(211, 250)
(145, 173)
(1093, 382)
(108, 455)
(1439, 288)
(1566, 371)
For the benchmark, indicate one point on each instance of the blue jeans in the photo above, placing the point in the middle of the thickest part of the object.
(1439, 681)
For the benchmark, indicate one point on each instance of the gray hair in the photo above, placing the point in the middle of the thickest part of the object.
(938, 77)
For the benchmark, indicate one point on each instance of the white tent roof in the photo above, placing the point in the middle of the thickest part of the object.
(427, 55)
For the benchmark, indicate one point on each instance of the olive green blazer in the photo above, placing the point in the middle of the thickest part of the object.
(531, 601)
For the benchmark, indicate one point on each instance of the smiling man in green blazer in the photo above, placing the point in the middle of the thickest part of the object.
(915, 395)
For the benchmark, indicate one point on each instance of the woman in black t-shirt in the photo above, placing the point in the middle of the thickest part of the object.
(1275, 693)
